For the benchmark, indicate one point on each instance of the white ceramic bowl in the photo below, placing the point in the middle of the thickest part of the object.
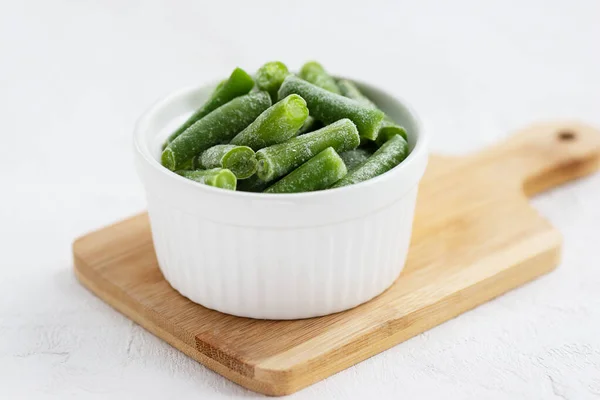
(278, 256)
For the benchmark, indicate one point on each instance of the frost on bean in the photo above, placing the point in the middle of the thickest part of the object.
(330, 107)
(218, 127)
(270, 76)
(392, 153)
(239, 83)
(217, 177)
(356, 157)
(275, 125)
(349, 89)
(318, 173)
(314, 73)
(388, 127)
(239, 159)
(278, 160)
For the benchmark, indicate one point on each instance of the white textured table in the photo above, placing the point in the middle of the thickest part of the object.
(74, 76)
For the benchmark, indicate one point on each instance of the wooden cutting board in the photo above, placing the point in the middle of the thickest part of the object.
(475, 237)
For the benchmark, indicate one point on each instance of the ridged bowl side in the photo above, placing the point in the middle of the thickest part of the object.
(274, 273)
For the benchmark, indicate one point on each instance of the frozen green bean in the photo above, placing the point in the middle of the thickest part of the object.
(219, 86)
(392, 153)
(238, 159)
(388, 127)
(270, 76)
(314, 73)
(195, 163)
(238, 84)
(318, 173)
(349, 89)
(330, 107)
(311, 124)
(354, 158)
(277, 124)
(217, 177)
(190, 164)
(387, 130)
(253, 184)
(278, 160)
(218, 127)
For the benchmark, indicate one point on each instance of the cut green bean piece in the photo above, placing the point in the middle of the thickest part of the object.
(253, 184)
(392, 153)
(330, 107)
(219, 86)
(218, 127)
(354, 158)
(388, 130)
(278, 160)
(275, 125)
(318, 173)
(388, 127)
(349, 89)
(314, 73)
(196, 163)
(270, 76)
(238, 84)
(311, 124)
(217, 177)
(190, 164)
(238, 159)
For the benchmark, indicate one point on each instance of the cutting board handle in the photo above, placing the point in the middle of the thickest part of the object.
(543, 156)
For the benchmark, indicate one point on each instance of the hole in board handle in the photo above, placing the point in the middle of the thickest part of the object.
(566, 136)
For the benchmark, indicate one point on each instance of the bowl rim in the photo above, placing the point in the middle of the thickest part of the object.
(141, 146)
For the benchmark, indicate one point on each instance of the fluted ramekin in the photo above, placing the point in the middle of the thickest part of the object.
(278, 256)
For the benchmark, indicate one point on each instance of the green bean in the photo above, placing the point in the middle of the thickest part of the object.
(388, 127)
(238, 159)
(387, 130)
(190, 164)
(196, 163)
(314, 73)
(252, 184)
(270, 76)
(318, 173)
(238, 84)
(349, 89)
(219, 86)
(217, 177)
(330, 107)
(385, 158)
(278, 160)
(275, 125)
(215, 128)
(354, 158)
(311, 124)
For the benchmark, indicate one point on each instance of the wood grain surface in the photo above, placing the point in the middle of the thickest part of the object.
(475, 237)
